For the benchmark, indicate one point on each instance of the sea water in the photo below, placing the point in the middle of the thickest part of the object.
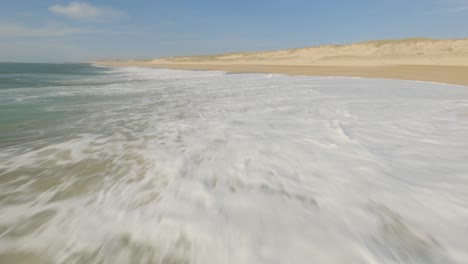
(130, 165)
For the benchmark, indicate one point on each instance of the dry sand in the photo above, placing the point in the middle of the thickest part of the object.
(444, 61)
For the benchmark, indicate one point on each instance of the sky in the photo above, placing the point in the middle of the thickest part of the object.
(77, 31)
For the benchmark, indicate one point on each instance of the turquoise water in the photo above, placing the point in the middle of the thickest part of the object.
(37, 100)
(130, 165)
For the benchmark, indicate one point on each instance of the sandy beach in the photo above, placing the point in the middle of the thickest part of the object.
(443, 61)
(234, 132)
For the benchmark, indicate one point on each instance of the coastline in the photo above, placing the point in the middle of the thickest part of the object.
(417, 59)
(447, 74)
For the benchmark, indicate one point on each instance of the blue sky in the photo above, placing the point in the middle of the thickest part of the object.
(56, 31)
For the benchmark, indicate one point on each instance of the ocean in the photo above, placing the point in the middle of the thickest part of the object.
(133, 165)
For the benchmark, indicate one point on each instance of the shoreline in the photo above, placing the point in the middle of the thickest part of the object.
(457, 75)
(417, 59)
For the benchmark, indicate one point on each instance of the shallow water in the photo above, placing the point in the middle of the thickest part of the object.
(101, 165)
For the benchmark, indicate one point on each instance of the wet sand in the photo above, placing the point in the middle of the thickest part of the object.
(428, 73)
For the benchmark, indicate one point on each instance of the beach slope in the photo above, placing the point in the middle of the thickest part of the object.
(444, 61)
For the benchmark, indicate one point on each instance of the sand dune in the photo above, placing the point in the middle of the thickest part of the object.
(415, 59)
(384, 52)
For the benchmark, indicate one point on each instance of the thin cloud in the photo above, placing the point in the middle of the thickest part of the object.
(86, 12)
(446, 11)
(51, 30)
(458, 9)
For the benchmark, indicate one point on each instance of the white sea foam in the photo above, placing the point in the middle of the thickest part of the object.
(206, 167)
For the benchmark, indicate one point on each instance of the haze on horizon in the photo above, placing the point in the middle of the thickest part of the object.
(58, 31)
